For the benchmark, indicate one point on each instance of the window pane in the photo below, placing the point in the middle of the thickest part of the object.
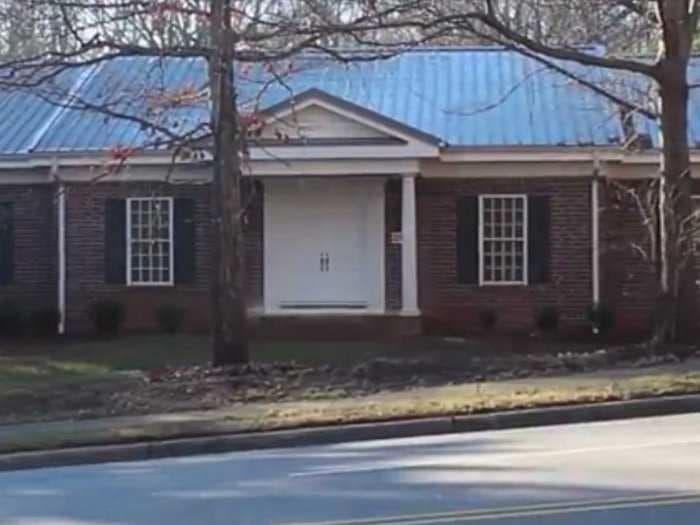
(503, 242)
(150, 240)
(519, 274)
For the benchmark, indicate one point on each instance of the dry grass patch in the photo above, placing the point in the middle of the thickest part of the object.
(478, 399)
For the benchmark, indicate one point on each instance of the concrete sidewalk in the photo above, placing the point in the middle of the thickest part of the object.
(430, 410)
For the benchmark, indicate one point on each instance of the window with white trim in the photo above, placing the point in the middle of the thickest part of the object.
(503, 239)
(149, 241)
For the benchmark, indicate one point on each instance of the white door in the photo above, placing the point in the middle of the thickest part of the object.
(323, 245)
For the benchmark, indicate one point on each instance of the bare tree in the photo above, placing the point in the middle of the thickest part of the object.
(265, 34)
(274, 31)
(666, 29)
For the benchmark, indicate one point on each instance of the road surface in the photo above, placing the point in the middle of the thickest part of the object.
(636, 472)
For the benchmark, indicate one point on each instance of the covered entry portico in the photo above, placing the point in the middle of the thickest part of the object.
(325, 169)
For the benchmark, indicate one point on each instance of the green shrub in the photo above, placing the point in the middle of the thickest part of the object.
(44, 322)
(488, 319)
(11, 319)
(170, 318)
(602, 317)
(547, 319)
(107, 316)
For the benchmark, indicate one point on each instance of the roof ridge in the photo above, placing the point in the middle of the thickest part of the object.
(429, 49)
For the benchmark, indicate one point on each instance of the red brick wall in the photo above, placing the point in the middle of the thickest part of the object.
(85, 271)
(393, 251)
(454, 306)
(254, 260)
(627, 281)
(34, 283)
(85, 255)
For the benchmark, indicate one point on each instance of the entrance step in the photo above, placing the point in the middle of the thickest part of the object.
(335, 327)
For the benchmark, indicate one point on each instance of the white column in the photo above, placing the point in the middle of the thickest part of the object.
(409, 251)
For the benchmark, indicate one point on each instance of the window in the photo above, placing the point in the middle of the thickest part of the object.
(149, 241)
(503, 239)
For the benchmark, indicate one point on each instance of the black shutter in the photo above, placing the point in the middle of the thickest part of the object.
(115, 241)
(185, 245)
(468, 240)
(539, 235)
(7, 243)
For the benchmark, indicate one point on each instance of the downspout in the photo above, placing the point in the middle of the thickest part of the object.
(595, 233)
(61, 246)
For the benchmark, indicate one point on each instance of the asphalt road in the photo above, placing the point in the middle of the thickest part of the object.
(634, 472)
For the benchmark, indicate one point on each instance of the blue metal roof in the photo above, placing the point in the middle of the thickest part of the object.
(133, 90)
(464, 97)
(25, 116)
(473, 97)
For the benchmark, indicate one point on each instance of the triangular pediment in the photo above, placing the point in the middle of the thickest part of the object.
(314, 123)
(315, 117)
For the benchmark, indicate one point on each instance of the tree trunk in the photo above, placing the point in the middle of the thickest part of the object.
(228, 302)
(676, 316)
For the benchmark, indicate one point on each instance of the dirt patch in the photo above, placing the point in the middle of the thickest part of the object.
(192, 388)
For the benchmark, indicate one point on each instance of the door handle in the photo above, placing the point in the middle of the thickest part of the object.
(325, 262)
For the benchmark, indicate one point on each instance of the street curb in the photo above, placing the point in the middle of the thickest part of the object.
(349, 433)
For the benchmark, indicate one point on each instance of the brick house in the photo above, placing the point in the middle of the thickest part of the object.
(413, 191)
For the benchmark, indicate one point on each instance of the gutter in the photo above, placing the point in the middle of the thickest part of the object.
(595, 233)
(61, 247)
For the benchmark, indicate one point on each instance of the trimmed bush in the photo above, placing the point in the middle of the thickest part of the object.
(602, 317)
(488, 319)
(107, 316)
(44, 322)
(11, 319)
(547, 319)
(170, 318)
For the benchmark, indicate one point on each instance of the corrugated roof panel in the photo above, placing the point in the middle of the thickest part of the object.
(465, 97)
(25, 113)
(132, 90)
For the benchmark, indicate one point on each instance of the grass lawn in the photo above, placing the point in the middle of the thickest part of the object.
(35, 366)
(47, 380)
(413, 403)
(96, 378)
(86, 357)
